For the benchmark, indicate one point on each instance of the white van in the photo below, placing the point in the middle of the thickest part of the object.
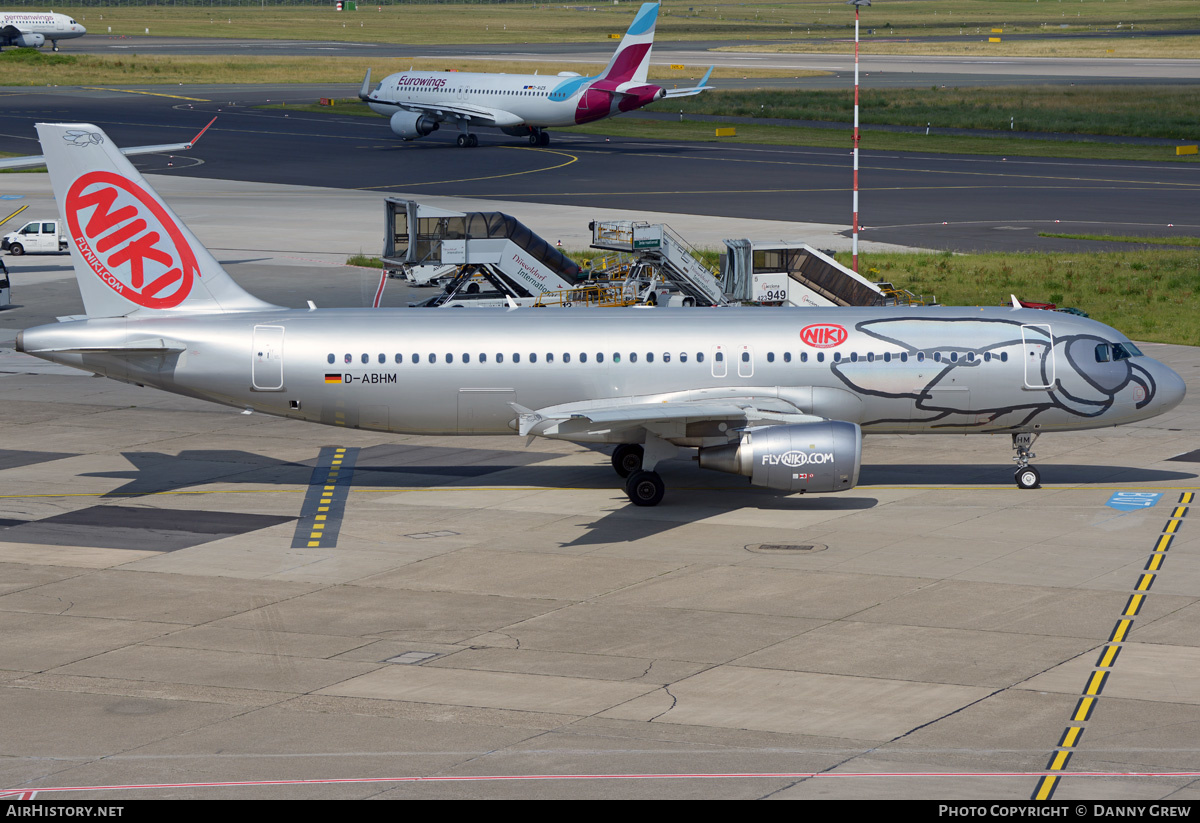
(39, 236)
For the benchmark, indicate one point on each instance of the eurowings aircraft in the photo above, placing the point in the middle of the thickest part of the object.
(419, 102)
(781, 396)
(31, 29)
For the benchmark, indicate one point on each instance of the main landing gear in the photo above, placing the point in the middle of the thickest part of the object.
(1027, 476)
(636, 464)
(537, 137)
(467, 141)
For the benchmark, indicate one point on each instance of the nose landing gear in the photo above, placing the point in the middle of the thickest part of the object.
(1027, 476)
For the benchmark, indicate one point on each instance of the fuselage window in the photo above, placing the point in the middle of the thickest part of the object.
(970, 357)
(920, 357)
(820, 357)
(432, 357)
(853, 357)
(482, 357)
(331, 358)
(1003, 357)
(449, 357)
(887, 357)
(649, 357)
(532, 357)
(1102, 354)
(803, 357)
(566, 357)
(466, 358)
(870, 357)
(583, 357)
(787, 357)
(903, 357)
(416, 358)
(953, 357)
(837, 357)
(616, 357)
(699, 357)
(683, 357)
(599, 357)
(633, 357)
(770, 357)
(516, 357)
(382, 357)
(549, 357)
(937, 357)
(499, 357)
(666, 357)
(720, 356)
(399, 359)
(366, 358)
(745, 357)
(348, 358)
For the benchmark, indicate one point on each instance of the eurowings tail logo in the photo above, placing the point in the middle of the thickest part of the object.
(130, 241)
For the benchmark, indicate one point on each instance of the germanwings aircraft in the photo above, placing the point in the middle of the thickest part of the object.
(781, 396)
(418, 102)
(31, 29)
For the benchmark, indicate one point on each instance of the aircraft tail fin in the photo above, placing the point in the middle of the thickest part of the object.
(132, 254)
(631, 62)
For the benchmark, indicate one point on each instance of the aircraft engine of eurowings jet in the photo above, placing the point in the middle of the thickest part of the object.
(418, 103)
(780, 396)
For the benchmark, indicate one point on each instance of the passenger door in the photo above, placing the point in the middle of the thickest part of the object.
(1037, 346)
(267, 369)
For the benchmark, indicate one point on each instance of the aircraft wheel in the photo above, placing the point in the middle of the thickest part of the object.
(645, 488)
(1028, 478)
(16, 249)
(472, 140)
(464, 141)
(543, 139)
(627, 459)
(535, 139)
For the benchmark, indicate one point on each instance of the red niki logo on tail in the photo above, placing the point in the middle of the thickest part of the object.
(130, 241)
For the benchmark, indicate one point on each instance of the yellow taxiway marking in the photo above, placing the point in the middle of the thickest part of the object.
(151, 93)
(14, 214)
(572, 159)
(1106, 663)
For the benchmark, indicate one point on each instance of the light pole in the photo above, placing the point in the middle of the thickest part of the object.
(856, 4)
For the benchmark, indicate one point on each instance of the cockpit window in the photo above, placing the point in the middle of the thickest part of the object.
(1123, 351)
(1102, 353)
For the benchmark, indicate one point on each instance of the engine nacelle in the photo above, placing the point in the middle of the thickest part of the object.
(29, 40)
(410, 125)
(806, 457)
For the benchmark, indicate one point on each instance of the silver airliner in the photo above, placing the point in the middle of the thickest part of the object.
(781, 396)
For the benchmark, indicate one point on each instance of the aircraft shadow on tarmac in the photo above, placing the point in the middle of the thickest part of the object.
(409, 466)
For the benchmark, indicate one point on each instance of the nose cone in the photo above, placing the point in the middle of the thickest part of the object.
(1170, 389)
(82, 30)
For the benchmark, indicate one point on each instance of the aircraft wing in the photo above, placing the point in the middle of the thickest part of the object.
(596, 417)
(701, 86)
(33, 161)
(476, 114)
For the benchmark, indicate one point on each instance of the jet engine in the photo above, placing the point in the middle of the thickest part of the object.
(29, 40)
(806, 457)
(411, 125)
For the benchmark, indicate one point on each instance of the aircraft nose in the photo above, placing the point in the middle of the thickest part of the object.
(1170, 388)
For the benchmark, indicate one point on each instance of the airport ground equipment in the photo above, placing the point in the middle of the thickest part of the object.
(662, 256)
(46, 236)
(499, 260)
(796, 274)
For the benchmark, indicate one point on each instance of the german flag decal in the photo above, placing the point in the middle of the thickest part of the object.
(333, 378)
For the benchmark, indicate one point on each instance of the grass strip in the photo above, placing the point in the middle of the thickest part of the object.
(1113, 238)
(1128, 111)
(1150, 295)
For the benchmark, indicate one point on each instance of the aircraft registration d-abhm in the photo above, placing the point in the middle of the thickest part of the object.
(781, 396)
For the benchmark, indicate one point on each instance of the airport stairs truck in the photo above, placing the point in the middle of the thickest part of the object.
(499, 261)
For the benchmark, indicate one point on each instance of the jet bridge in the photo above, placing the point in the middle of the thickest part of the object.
(498, 257)
(664, 251)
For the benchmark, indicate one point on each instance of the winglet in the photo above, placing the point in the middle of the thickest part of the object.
(704, 79)
(1016, 303)
(196, 139)
(365, 91)
(526, 419)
